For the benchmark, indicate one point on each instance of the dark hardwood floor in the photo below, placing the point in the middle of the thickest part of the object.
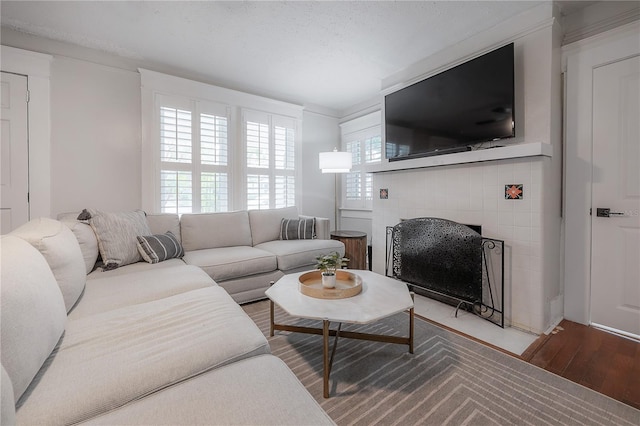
(602, 361)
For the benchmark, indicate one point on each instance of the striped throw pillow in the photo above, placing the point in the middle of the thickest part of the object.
(156, 248)
(298, 229)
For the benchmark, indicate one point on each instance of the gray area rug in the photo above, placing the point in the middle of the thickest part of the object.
(449, 380)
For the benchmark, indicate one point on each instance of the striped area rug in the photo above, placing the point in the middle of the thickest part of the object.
(449, 380)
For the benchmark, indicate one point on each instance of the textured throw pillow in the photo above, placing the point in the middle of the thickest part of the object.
(298, 229)
(116, 234)
(85, 236)
(156, 248)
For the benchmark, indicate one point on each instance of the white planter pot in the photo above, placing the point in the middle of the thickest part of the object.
(328, 280)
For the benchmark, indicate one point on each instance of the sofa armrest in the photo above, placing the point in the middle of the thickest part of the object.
(322, 227)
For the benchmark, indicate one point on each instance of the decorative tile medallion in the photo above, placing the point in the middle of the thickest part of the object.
(514, 191)
(384, 194)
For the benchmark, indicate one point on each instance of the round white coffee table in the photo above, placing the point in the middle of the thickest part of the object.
(380, 297)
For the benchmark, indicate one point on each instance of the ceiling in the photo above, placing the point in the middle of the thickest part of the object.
(331, 54)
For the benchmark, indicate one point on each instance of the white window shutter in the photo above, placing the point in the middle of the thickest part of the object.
(194, 156)
(363, 139)
(175, 135)
(176, 195)
(270, 143)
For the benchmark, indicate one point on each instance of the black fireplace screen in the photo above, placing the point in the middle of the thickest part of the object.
(451, 262)
(439, 255)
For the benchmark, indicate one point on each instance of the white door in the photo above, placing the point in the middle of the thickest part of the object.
(14, 153)
(615, 261)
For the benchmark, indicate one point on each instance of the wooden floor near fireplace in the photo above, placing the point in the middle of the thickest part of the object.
(602, 361)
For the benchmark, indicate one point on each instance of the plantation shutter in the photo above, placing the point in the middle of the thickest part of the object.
(207, 148)
(270, 146)
(214, 158)
(362, 138)
(194, 156)
(285, 161)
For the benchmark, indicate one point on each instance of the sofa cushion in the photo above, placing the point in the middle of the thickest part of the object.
(7, 401)
(251, 287)
(133, 267)
(61, 250)
(213, 230)
(232, 262)
(265, 224)
(112, 291)
(298, 229)
(116, 234)
(85, 236)
(159, 223)
(158, 248)
(108, 360)
(32, 311)
(295, 254)
(258, 390)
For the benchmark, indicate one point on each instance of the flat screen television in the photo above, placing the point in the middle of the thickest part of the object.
(453, 110)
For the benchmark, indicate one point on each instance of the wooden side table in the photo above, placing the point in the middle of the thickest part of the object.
(355, 247)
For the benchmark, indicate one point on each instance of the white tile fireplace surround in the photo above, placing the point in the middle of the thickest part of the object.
(474, 194)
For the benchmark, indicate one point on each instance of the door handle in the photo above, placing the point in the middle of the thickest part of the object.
(605, 212)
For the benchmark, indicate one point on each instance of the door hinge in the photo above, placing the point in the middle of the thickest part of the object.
(590, 211)
(28, 197)
(28, 96)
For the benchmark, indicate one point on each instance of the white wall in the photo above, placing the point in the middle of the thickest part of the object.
(95, 156)
(320, 133)
(95, 137)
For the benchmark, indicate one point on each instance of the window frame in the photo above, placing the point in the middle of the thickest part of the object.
(272, 121)
(154, 85)
(195, 166)
(361, 129)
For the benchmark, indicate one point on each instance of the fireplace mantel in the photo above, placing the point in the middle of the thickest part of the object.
(491, 154)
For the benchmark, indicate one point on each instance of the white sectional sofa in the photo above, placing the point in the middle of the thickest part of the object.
(148, 343)
(242, 251)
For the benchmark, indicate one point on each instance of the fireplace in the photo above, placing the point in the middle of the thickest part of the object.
(450, 262)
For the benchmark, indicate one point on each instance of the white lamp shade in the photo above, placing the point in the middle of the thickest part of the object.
(335, 162)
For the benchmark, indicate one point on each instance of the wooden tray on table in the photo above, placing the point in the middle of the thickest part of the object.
(348, 284)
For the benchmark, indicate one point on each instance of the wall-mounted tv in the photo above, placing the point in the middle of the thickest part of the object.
(453, 110)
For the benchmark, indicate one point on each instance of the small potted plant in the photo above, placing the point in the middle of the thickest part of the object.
(328, 264)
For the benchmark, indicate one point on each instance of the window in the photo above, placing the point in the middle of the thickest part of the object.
(362, 138)
(194, 160)
(270, 160)
(210, 149)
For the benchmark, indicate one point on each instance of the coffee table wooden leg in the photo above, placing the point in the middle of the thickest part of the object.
(411, 324)
(325, 356)
(271, 315)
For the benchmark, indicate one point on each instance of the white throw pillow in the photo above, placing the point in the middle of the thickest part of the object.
(61, 249)
(85, 236)
(116, 234)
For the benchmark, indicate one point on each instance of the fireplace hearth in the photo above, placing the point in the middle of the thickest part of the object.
(450, 262)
